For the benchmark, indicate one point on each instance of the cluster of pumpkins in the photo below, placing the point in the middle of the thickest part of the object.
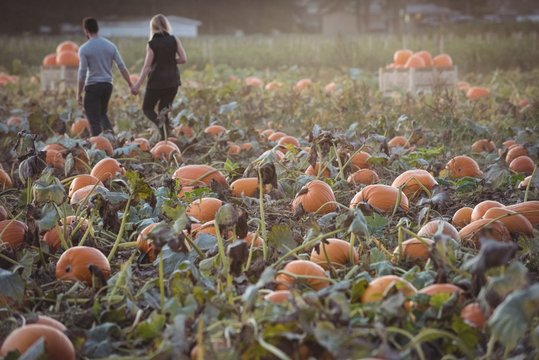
(66, 55)
(300, 86)
(407, 59)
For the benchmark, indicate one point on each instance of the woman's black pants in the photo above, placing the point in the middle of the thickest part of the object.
(96, 103)
(163, 99)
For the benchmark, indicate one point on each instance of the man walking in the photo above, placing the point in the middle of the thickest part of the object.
(95, 76)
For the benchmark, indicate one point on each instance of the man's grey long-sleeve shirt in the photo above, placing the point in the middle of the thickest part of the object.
(96, 56)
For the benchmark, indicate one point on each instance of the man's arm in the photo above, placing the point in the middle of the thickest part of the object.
(121, 66)
(83, 68)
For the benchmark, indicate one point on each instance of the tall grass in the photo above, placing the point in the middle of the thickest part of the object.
(471, 53)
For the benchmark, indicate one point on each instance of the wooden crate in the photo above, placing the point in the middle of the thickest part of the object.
(415, 81)
(59, 78)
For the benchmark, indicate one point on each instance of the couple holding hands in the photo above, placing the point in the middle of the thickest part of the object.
(160, 67)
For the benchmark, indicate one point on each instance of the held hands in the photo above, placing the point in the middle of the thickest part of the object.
(135, 89)
(79, 100)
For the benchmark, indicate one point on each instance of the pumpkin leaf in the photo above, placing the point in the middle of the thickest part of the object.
(509, 322)
(99, 341)
(36, 351)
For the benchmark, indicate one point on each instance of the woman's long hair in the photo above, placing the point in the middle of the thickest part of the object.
(159, 24)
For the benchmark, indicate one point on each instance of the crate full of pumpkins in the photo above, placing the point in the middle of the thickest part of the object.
(59, 69)
(417, 72)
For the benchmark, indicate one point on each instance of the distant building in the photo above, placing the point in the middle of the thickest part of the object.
(139, 27)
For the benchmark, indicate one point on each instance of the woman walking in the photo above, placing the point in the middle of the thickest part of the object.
(161, 68)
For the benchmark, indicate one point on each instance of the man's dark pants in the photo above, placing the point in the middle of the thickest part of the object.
(96, 103)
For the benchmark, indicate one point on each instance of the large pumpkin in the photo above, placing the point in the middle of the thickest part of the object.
(204, 209)
(413, 182)
(462, 166)
(191, 175)
(76, 263)
(337, 251)
(106, 169)
(381, 197)
(379, 287)
(315, 196)
(312, 274)
(67, 58)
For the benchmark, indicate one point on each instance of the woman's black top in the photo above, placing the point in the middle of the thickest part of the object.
(164, 71)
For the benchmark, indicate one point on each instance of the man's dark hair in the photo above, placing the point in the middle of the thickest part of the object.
(90, 24)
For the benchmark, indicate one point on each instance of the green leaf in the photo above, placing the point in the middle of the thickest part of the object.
(139, 188)
(151, 328)
(281, 236)
(509, 322)
(11, 284)
(99, 341)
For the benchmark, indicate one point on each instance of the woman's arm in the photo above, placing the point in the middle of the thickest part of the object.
(182, 56)
(145, 68)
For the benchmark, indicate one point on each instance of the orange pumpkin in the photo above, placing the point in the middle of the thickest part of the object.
(473, 315)
(145, 243)
(67, 58)
(184, 130)
(264, 134)
(442, 61)
(278, 297)
(483, 145)
(53, 239)
(415, 250)
(75, 263)
(12, 233)
(204, 209)
(330, 88)
(514, 222)
(522, 165)
(464, 86)
(84, 192)
(106, 169)
(306, 269)
(67, 45)
(286, 141)
(165, 151)
(81, 181)
(480, 209)
(191, 175)
(463, 166)
(253, 81)
(233, 149)
(360, 160)
(475, 93)
(380, 287)
(412, 182)
(315, 196)
(49, 60)
(55, 146)
(363, 176)
(529, 209)
(313, 171)
(381, 197)
(143, 143)
(398, 141)
(495, 230)
(415, 62)
(427, 57)
(251, 239)
(276, 136)
(445, 288)
(515, 151)
(214, 130)
(48, 321)
(336, 250)
(462, 217)
(400, 57)
(431, 228)
(273, 86)
(245, 187)
(54, 159)
(303, 84)
(80, 126)
(101, 143)
(57, 345)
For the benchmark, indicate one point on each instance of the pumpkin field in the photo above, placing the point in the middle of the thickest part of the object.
(294, 212)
